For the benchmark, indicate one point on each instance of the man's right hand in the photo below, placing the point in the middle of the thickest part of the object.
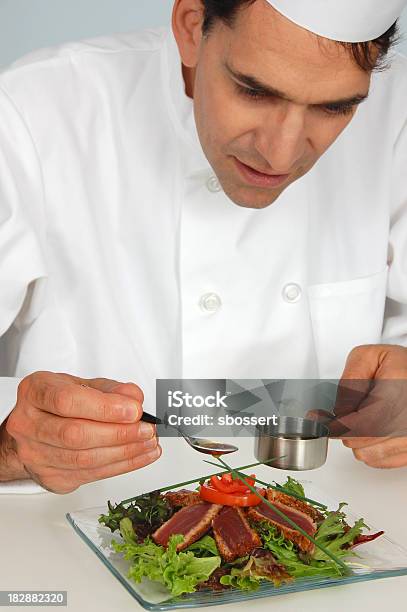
(66, 431)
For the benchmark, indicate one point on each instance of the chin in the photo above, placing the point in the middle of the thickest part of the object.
(252, 198)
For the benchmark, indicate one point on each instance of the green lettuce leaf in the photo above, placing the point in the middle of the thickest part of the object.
(205, 547)
(293, 486)
(180, 572)
(336, 536)
(237, 579)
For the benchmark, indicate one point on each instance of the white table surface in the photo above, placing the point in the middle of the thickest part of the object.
(40, 551)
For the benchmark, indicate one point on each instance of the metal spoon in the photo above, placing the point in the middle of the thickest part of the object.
(199, 444)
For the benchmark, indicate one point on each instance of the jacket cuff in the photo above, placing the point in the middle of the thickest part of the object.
(8, 396)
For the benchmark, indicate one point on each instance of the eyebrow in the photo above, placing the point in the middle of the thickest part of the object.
(268, 91)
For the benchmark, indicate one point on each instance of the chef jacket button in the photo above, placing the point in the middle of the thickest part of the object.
(213, 184)
(210, 302)
(292, 293)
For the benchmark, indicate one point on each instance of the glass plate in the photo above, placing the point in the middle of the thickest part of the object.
(381, 558)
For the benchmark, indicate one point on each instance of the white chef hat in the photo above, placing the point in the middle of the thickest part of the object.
(342, 20)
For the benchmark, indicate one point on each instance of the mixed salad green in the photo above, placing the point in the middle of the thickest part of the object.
(201, 565)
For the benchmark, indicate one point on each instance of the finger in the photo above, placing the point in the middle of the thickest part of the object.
(384, 361)
(68, 399)
(391, 463)
(107, 385)
(380, 363)
(39, 454)
(363, 362)
(379, 416)
(356, 426)
(121, 467)
(350, 395)
(389, 454)
(360, 368)
(81, 433)
(361, 442)
(393, 364)
(349, 427)
(336, 428)
(65, 481)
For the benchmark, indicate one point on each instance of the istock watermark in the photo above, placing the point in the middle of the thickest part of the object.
(215, 407)
(237, 408)
(202, 420)
(178, 399)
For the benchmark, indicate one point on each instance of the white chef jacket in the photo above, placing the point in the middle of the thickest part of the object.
(121, 257)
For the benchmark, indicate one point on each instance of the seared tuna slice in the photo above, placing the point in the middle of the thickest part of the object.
(263, 512)
(233, 534)
(182, 498)
(192, 522)
(292, 502)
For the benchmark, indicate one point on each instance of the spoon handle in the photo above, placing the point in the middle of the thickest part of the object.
(150, 418)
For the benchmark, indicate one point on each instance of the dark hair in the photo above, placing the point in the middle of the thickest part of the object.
(364, 53)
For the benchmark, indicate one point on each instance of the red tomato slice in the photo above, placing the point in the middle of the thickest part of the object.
(226, 484)
(214, 496)
(221, 485)
(251, 480)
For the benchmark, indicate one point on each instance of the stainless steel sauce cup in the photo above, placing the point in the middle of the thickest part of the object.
(293, 444)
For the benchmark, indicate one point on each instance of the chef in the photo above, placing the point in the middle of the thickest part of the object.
(226, 200)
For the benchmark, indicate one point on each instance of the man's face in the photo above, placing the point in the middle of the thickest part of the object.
(269, 99)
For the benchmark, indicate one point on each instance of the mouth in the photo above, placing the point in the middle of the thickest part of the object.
(260, 179)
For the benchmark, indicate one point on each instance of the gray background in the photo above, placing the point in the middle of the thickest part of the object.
(31, 24)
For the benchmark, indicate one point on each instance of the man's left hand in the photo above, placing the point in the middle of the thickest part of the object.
(372, 405)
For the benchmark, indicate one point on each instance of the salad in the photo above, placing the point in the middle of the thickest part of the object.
(232, 533)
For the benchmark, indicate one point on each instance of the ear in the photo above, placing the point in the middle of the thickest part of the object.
(187, 21)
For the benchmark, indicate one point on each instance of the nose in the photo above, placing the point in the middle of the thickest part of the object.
(281, 139)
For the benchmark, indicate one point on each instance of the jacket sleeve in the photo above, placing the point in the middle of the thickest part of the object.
(22, 260)
(22, 227)
(395, 322)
